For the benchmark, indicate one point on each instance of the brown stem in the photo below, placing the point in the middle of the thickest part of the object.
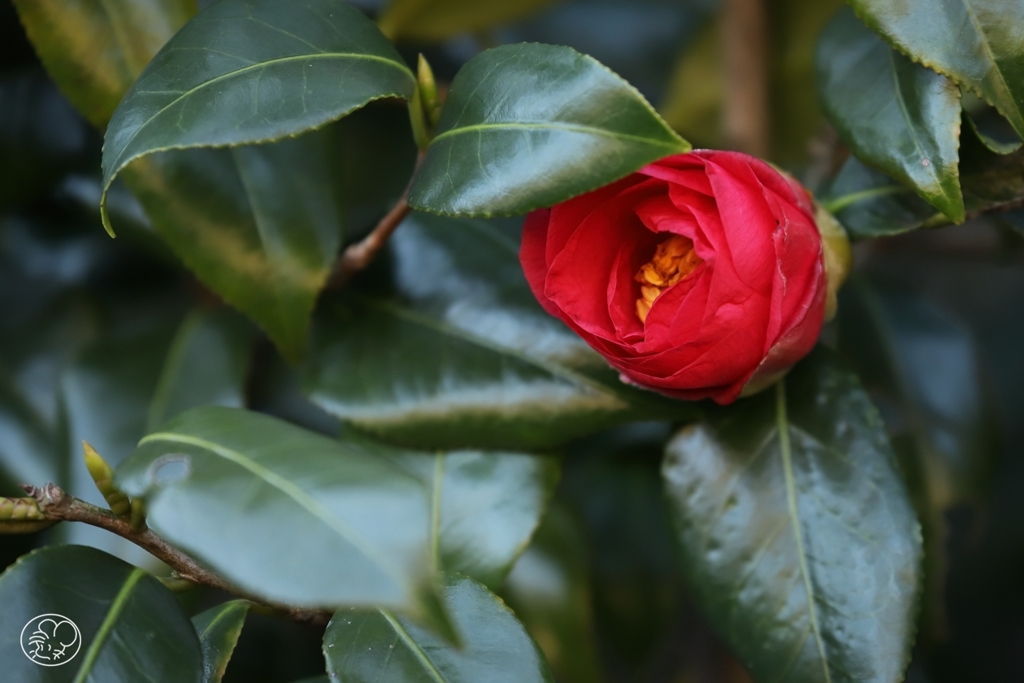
(56, 504)
(358, 256)
(996, 209)
(745, 59)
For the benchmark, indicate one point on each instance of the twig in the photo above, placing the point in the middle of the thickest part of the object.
(1004, 207)
(56, 504)
(358, 256)
(745, 58)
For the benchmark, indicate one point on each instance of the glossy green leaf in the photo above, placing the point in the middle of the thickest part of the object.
(990, 179)
(870, 204)
(129, 627)
(977, 43)
(366, 647)
(484, 507)
(526, 126)
(218, 629)
(94, 49)
(268, 70)
(437, 20)
(549, 590)
(456, 352)
(797, 533)
(260, 225)
(284, 513)
(894, 114)
(994, 131)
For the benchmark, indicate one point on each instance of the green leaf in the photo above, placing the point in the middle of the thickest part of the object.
(974, 42)
(484, 507)
(260, 225)
(94, 49)
(994, 131)
(364, 647)
(797, 533)
(894, 114)
(438, 20)
(990, 179)
(456, 352)
(549, 591)
(870, 204)
(218, 629)
(526, 126)
(130, 627)
(267, 70)
(295, 517)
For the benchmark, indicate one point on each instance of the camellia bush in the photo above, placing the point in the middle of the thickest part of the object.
(466, 341)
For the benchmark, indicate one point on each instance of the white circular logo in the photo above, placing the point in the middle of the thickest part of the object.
(51, 640)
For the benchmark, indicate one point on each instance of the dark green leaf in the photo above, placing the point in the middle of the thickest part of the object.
(990, 179)
(526, 126)
(284, 513)
(218, 629)
(894, 114)
(994, 131)
(484, 507)
(260, 225)
(549, 591)
(975, 42)
(869, 203)
(267, 70)
(437, 20)
(94, 49)
(130, 628)
(364, 648)
(797, 533)
(461, 354)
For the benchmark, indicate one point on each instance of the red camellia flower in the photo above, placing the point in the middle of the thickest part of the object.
(701, 275)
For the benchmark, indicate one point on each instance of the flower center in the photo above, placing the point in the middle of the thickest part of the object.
(673, 260)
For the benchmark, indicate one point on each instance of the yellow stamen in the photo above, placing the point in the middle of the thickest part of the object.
(673, 260)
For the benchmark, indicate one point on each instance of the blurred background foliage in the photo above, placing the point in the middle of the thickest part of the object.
(104, 339)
